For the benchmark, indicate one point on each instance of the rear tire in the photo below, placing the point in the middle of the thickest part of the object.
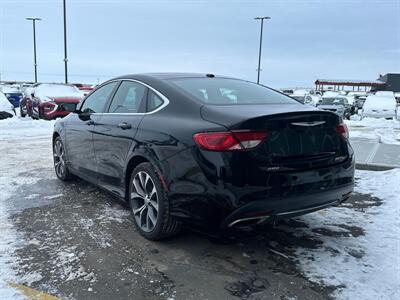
(60, 165)
(149, 204)
(22, 112)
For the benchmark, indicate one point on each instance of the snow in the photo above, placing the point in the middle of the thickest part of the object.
(56, 90)
(375, 129)
(13, 132)
(18, 127)
(384, 94)
(380, 102)
(10, 238)
(300, 92)
(375, 275)
(330, 94)
(9, 89)
(5, 105)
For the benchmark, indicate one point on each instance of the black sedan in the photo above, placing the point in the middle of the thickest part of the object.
(206, 150)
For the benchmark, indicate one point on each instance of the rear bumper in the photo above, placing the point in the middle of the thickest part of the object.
(209, 198)
(269, 210)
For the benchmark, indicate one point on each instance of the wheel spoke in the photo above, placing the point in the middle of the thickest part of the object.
(142, 178)
(140, 209)
(58, 148)
(153, 192)
(136, 195)
(154, 204)
(152, 216)
(141, 215)
(59, 169)
(137, 186)
(146, 180)
(62, 168)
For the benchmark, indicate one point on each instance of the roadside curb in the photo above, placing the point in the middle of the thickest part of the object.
(373, 167)
(374, 156)
(32, 294)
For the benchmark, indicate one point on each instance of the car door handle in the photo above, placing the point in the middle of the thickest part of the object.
(90, 122)
(124, 125)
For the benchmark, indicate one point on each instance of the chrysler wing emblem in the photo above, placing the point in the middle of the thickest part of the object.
(308, 124)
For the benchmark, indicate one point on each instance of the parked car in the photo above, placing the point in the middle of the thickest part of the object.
(397, 96)
(359, 101)
(13, 94)
(330, 94)
(7, 110)
(380, 107)
(315, 93)
(85, 89)
(305, 97)
(179, 150)
(338, 105)
(49, 100)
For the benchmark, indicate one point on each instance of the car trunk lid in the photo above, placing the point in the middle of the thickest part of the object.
(299, 137)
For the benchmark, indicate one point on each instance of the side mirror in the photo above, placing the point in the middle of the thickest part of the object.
(83, 115)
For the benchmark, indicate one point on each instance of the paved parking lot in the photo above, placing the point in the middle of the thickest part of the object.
(75, 241)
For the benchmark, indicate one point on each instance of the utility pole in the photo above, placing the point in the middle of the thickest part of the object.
(259, 52)
(65, 44)
(34, 43)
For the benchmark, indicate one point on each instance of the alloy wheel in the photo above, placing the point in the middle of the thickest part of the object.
(59, 162)
(144, 201)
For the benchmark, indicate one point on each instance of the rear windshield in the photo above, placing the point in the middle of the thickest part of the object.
(223, 91)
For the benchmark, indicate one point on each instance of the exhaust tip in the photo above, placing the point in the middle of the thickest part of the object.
(249, 221)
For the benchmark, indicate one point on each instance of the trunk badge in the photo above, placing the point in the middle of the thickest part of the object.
(308, 124)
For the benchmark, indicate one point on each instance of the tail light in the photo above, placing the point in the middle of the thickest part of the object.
(342, 130)
(229, 140)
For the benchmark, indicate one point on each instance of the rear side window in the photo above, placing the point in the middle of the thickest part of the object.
(96, 102)
(223, 91)
(154, 101)
(128, 98)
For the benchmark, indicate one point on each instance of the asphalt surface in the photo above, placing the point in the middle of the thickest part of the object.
(80, 243)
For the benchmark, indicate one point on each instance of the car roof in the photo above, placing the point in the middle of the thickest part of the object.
(169, 75)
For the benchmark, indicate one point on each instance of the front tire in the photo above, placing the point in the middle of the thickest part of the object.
(149, 204)
(60, 165)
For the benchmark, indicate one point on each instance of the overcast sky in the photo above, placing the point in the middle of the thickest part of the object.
(304, 40)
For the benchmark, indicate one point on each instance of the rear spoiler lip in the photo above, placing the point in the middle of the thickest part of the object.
(231, 116)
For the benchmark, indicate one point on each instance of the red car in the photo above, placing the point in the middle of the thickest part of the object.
(85, 89)
(49, 100)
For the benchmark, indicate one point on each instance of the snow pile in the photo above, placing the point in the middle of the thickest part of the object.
(18, 127)
(360, 266)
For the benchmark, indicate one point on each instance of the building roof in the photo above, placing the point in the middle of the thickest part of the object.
(349, 82)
